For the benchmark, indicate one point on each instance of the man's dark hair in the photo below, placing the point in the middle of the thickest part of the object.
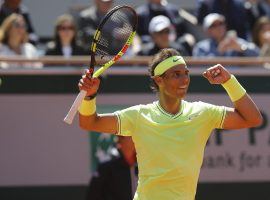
(163, 54)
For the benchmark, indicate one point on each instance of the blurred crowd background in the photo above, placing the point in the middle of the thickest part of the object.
(210, 28)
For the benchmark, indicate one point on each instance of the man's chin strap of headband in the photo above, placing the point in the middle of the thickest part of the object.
(167, 64)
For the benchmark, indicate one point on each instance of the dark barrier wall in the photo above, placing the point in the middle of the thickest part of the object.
(63, 156)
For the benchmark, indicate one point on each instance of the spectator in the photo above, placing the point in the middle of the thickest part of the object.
(90, 18)
(14, 6)
(65, 38)
(162, 37)
(159, 7)
(233, 11)
(14, 41)
(116, 179)
(261, 35)
(222, 42)
(256, 9)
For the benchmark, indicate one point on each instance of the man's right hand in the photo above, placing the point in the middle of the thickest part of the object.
(90, 85)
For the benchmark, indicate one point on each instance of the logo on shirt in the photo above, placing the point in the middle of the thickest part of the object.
(191, 117)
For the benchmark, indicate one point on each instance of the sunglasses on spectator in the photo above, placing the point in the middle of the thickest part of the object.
(164, 31)
(217, 24)
(19, 25)
(65, 28)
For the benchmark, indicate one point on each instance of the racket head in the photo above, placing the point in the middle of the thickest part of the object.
(113, 37)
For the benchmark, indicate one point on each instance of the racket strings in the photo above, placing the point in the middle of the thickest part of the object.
(115, 33)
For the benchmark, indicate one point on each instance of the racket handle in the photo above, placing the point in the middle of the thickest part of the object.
(75, 106)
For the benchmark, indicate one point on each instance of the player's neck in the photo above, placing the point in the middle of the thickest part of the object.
(170, 105)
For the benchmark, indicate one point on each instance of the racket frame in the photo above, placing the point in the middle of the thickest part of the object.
(76, 104)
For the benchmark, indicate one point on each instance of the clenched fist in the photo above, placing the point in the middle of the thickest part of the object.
(217, 74)
(90, 85)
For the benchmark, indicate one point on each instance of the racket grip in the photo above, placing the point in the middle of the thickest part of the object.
(75, 106)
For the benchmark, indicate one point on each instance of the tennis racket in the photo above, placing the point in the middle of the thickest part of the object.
(111, 40)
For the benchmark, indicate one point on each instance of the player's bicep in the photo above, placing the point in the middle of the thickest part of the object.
(104, 123)
(233, 120)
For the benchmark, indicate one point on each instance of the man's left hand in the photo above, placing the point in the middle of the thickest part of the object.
(217, 74)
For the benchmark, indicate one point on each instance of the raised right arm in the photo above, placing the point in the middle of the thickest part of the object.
(105, 123)
(88, 118)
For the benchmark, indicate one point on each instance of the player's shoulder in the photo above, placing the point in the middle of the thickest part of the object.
(138, 109)
(198, 105)
(148, 106)
(207, 108)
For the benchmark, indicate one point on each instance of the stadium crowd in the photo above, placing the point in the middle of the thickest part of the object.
(222, 28)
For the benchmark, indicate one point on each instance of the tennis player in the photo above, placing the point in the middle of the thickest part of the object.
(170, 134)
